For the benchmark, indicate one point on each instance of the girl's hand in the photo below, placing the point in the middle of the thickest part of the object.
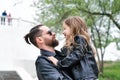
(53, 59)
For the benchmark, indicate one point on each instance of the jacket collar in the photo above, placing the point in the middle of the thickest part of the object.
(48, 53)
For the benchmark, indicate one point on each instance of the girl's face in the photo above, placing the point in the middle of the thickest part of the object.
(66, 31)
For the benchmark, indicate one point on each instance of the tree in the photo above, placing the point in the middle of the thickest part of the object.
(101, 17)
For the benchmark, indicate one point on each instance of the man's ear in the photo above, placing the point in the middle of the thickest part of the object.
(39, 40)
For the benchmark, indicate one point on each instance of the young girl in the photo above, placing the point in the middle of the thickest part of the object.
(80, 56)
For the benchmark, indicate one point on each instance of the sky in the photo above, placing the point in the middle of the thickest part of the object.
(18, 8)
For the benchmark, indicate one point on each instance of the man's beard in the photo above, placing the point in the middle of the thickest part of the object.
(55, 43)
(52, 43)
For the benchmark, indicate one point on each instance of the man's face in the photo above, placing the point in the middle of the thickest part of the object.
(49, 37)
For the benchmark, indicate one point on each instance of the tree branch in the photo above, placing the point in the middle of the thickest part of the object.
(104, 14)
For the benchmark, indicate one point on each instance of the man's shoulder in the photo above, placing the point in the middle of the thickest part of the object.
(41, 59)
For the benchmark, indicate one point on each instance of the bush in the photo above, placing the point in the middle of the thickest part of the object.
(111, 71)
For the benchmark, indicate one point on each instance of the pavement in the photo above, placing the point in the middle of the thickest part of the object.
(9, 75)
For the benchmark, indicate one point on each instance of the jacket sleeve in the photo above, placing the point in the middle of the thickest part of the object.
(47, 71)
(75, 55)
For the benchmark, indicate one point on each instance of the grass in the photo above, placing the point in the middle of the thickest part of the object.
(111, 71)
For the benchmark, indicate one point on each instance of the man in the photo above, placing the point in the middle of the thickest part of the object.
(4, 15)
(41, 37)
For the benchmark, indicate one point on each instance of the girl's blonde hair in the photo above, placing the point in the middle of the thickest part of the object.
(78, 27)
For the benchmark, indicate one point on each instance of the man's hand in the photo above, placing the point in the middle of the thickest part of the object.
(53, 59)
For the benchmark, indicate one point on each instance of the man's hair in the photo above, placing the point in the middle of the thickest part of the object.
(34, 32)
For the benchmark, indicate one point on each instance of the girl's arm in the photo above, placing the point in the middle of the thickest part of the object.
(74, 56)
(71, 59)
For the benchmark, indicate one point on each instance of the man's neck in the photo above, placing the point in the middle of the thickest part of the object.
(51, 49)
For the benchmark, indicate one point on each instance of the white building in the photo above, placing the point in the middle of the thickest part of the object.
(15, 53)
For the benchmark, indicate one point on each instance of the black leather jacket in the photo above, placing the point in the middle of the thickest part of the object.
(46, 70)
(81, 60)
